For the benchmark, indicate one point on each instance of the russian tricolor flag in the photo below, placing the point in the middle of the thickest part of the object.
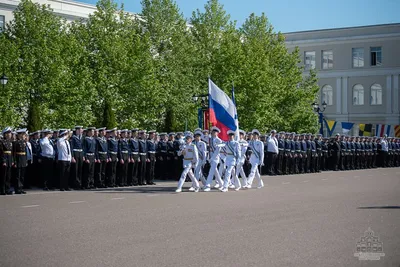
(223, 113)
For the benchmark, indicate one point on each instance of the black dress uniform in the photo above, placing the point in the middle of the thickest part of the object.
(343, 154)
(177, 159)
(35, 164)
(318, 146)
(325, 156)
(298, 155)
(7, 161)
(334, 151)
(170, 158)
(143, 161)
(309, 157)
(151, 150)
(162, 152)
(123, 157)
(77, 166)
(112, 144)
(134, 166)
(89, 151)
(101, 165)
(362, 155)
(288, 155)
(374, 153)
(281, 155)
(20, 161)
(303, 159)
(313, 162)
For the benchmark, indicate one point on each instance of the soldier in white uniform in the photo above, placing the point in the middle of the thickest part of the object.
(256, 159)
(203, 153)
(239, 165)
(215, 147)
(190, 160)
(232, 157)
(222, 165)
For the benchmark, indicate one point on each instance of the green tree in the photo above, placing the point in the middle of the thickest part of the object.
(108, 116)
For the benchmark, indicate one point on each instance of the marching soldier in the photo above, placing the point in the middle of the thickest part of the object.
(123, 158)
(177, 159)
(239, 166)
(7, 161)
(232, 157)
(135, 160)
(77, 158)
(256, 159)
(101, 158)
(203, 153)
(151, 150)
(214, 158)
(190, 154)
(112, 145)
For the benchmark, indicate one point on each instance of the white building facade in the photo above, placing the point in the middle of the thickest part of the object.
(358, 72)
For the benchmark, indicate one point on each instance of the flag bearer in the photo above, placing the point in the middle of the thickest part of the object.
(215, 148)
(232, 149)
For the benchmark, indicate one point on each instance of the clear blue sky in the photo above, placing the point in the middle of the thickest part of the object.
(297, 15)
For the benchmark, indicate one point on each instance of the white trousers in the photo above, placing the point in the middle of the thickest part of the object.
(254, 173)
(239, 170)
(213, 171)
(222, 168)
(188, 171)
(198, 173)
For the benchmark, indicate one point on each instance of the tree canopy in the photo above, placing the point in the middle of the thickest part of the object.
(117, 69)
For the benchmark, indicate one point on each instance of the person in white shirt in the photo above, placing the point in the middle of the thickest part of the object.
(202, 150)
(64, 159)
(190, 160)
(215, 148)
(47, 159)
(239, 165)
(256, 159)
(232, 157)
(272, 152)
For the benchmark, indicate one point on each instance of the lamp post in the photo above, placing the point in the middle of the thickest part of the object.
(320, 111)
(3, 80)
(203, 110)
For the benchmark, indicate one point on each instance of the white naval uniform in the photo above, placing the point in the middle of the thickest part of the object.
(222, 163)
(256, 159)
(239, 166)
(232, 157)
(190, 160)
(202, 150)
(215, 147)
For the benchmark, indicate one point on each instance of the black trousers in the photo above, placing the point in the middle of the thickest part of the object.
(88, 172)
(142, 170)
(29, 175)
(100, 173)
(19, 179)
(112, 171)
(151, 169)
(76, 170)
(271, 162)
(48, 172)
(134, 169)
(64, 173)
(5, 179)
(123, 170)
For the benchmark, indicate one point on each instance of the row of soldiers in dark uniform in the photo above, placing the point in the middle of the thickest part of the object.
(308, 153)
(98, 158)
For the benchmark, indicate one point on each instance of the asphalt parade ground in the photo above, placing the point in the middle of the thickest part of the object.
(298, 220)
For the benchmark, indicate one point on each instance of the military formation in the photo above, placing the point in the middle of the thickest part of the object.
(84, 159)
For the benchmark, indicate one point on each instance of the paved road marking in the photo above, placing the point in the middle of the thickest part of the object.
(356, 176)
(306, 181)
(117, 198)
(285, 182)
(76, 202)
(30, 206)
(324, 179)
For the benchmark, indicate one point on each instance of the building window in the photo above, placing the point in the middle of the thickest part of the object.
(358, 95)
(2, 23)
(327, 59)
(376, 94)
(358, 57)
(309, 60)
(376, 56)
(327, 95)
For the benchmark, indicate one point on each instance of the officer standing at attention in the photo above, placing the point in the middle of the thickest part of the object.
(272, 152)
(123, 157)
(20, 161)
(170, 156)
(334, 149)
(318, 145)
(151, 150)
(89, 150)
(303, 147)
(162, 153)
(77, 158)
(34, 140)
(281, 155)
(143, 157)
(101, 158)
(7, 161)
(112, 144)
(64, 159)
(297, 156)
(134, 165)
(47, 159)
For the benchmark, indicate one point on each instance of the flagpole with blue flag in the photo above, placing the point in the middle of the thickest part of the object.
(236, 115)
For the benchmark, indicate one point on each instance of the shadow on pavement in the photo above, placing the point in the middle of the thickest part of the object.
(379, 207)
